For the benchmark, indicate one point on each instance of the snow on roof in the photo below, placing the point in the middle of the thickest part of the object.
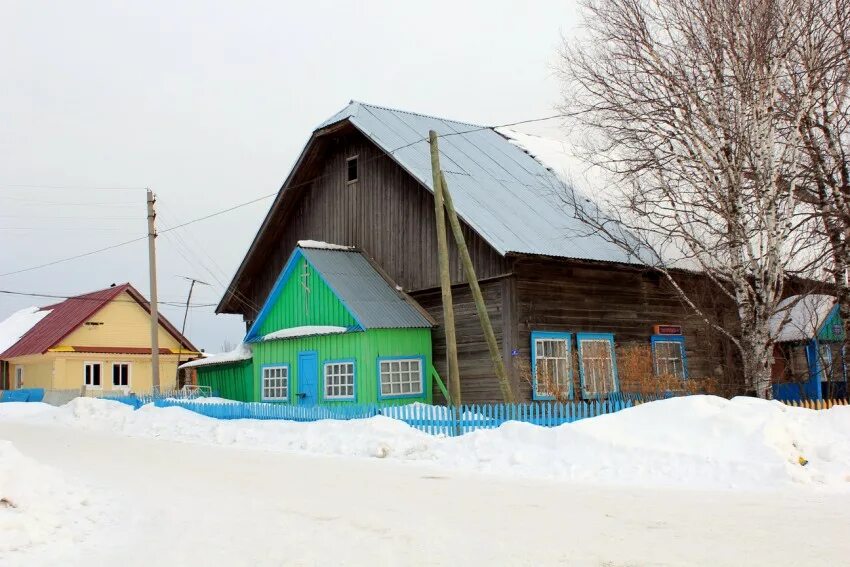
(242, 352)
(18, 324)
(304, 331)
(318, 244)
(803, 317)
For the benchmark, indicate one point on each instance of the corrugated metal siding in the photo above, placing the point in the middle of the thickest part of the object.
(296, 306)
(503, 193)
(366, 293)
(232, 381)
(364, 348)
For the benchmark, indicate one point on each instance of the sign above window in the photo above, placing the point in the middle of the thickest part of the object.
(667, 330)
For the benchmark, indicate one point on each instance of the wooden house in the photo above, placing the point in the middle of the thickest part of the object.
(98, 341)
(810, 359)
(558, 298)
(333, 330)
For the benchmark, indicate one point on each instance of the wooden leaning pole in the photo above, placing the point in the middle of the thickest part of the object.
(481, 307)
(443, 204)
(445, 277)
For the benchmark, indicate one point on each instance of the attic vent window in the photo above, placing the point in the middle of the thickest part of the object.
(351, 169)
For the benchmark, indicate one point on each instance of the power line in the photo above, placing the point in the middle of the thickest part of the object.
(75, 257)
(83, 298)
(48, 187)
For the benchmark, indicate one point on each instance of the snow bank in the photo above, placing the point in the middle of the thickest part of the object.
(18, 323)
(37, 506)
(694, 442)
(304, 331)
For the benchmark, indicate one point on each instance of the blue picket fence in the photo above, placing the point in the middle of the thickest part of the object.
(437, 420)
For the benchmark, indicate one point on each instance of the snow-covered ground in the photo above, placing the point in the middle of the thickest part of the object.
(686, 481)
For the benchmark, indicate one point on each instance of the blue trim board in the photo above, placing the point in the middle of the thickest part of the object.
(325, 363)
(670, 339)
(421, 394)
(278, 288)
(288, 383)
(580, 337)
(550, 335)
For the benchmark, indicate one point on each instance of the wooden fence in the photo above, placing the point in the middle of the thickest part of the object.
(815, 404)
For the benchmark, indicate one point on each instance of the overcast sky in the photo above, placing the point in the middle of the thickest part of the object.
(209, 104)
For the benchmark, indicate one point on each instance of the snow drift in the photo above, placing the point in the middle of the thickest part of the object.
(693, 442)
(37, 505)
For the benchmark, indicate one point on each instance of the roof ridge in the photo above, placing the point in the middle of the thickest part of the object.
(420, 114)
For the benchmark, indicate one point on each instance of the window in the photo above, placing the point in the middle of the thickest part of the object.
(121, 374)
(831, 362)
(552, 365)
(668, 356)
(401, 377)
(275, 383)
(339, 380)
(19, 377)
(597, 364)
(351, 169)
(91, 371)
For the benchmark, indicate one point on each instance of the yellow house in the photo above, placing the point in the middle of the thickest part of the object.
(99, 340)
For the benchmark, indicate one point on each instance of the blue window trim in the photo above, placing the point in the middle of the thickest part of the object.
(325, 364)
(253, 334)
(581, 337)
(421, 394)
(550, 335)
(288, 384)
(670, 339)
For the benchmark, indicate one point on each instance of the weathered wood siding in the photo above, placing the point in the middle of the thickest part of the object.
(478, 381)
(553, 295)
(387, 213)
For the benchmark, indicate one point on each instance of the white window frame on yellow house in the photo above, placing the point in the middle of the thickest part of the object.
(19, 376)
(86, 364)
(129, 376)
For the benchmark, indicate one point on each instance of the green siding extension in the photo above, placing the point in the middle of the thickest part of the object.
(306, 300)
(234, 381)
(363, 347)
(833, 328)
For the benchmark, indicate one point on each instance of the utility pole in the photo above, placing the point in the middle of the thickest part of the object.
(481, 307)
(153, 298)
(445, 276)
(183, 327)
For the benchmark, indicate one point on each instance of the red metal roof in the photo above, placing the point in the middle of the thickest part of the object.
(67, 316)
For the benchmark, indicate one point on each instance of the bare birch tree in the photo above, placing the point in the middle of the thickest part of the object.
(680, 100)
(816, 102)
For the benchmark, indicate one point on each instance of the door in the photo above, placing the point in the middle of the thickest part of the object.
(308, 377)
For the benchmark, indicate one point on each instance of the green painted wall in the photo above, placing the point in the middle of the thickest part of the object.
(313, 304)
(362, 347)
(232, 381)
(833, 329)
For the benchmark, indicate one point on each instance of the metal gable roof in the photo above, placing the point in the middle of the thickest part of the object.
(370, 297)
(512, 200)
(373, 301)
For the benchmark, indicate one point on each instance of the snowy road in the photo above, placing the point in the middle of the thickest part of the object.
(184, 504)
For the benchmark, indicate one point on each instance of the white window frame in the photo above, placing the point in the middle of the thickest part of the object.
(657, 359)
(326, 384)
(129, 376)
(19, 377)
(590, 338)
(285, 377)
(538, 337)
(420, 383)
(87, 364)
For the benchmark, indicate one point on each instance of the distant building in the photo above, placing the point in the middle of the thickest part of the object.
(99, 340)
